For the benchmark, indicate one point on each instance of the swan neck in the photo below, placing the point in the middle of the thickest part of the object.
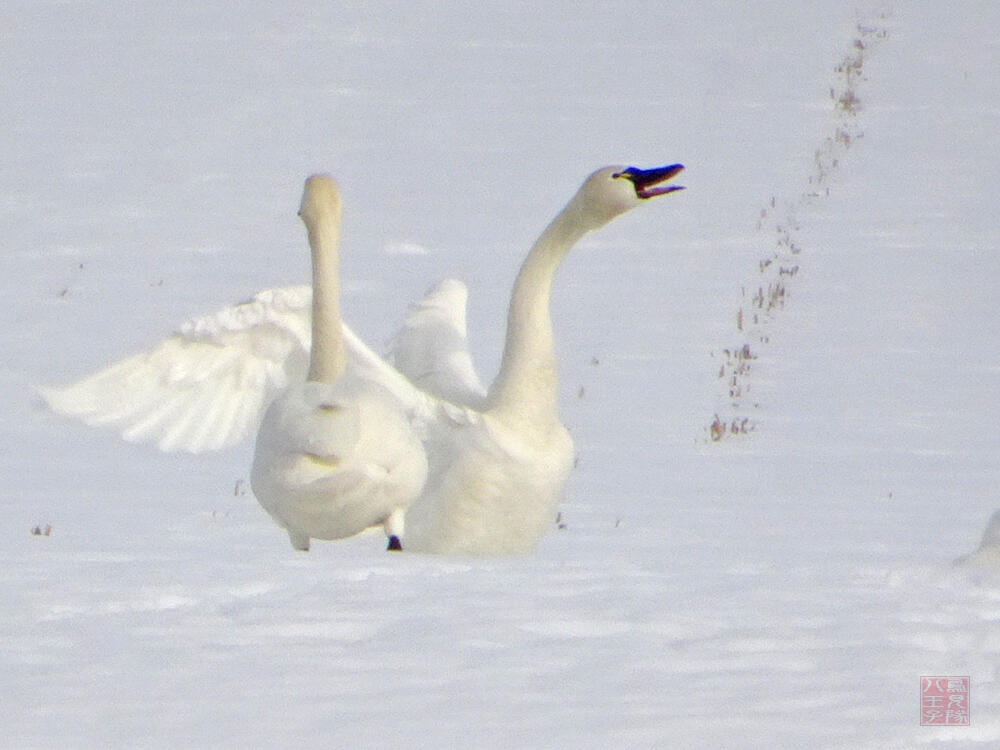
(527, 386)
(327, 357)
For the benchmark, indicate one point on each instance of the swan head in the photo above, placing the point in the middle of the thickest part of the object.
(612, 191)
(320, 197)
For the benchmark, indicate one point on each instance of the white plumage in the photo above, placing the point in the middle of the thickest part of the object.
(498, 461)
(205, 387)
(498, 473)
(432, 347)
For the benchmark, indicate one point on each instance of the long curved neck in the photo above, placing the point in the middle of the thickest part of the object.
(526, 389)
(326, 360)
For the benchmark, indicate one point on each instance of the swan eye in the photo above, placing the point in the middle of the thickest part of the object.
(629, 173)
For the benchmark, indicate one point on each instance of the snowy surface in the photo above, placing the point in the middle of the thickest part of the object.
(786, 587)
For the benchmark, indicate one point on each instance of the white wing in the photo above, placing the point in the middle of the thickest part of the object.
(206, 387)
(432, 349)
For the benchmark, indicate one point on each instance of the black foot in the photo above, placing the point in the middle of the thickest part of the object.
(394, 544)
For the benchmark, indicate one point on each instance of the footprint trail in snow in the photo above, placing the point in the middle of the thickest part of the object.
(766, 294)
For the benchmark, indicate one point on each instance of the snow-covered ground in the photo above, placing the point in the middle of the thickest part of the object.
(786, 587)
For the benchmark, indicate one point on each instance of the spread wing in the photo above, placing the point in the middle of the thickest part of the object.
(432, 349)
(205, 387)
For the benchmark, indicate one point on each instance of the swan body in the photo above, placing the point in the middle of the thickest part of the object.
(493, 486)
(498, 459)
(332, 461)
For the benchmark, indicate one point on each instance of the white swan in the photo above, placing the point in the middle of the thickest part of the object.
(334, 454)
(497, 465)
(498, 474)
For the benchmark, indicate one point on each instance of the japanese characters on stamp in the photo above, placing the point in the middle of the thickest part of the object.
(944, 701)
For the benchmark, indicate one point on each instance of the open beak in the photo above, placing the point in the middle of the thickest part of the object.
(649, 182)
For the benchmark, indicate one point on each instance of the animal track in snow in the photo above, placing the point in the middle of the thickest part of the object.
(764, 297)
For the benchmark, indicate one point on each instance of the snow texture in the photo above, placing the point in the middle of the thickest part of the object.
(780, 381)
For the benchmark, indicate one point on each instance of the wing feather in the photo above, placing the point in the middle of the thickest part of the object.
(432, 348)
(206, 386)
